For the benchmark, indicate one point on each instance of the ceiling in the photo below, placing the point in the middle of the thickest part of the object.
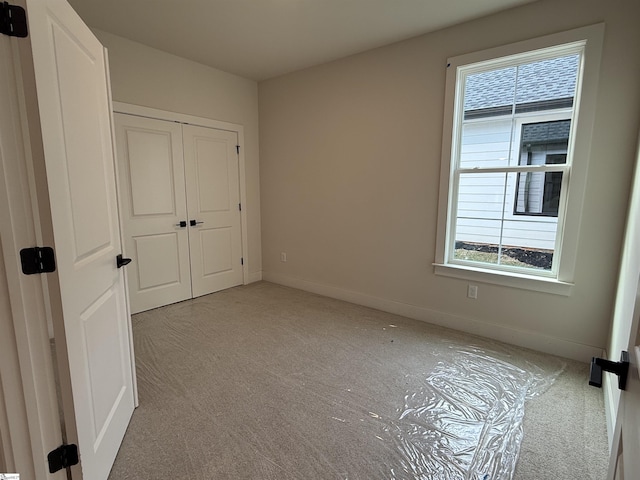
(261, 39)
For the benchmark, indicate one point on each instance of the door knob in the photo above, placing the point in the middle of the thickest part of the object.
(193, 223)
(121, 261)
(621, 369)
(183, 223)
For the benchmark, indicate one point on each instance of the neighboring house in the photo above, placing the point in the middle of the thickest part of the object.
(511, 209)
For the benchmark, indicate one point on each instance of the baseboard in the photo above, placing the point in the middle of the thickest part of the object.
(532, 340)
(254, 277)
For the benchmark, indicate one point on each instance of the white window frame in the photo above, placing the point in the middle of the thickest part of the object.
(561, 280)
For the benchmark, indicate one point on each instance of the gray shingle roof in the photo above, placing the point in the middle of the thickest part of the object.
(531, 82)
(546, 132)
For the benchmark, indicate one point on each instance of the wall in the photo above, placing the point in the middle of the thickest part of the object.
(350, 162)
(145, 76)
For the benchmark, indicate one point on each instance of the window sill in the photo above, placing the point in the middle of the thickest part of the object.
(506, 279)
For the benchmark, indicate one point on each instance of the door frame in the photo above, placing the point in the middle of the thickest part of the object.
(140, 111)
(30, 404)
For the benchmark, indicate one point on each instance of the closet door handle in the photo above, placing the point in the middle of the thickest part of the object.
(193, 223)
(182, 224)
(121, 261)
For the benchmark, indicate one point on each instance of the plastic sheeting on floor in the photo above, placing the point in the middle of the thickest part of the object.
(270, 383)
(466, 420)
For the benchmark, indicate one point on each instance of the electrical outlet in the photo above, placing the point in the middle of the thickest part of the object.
(283, 257)
(472, 291)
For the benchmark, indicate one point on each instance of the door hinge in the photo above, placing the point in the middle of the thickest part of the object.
(242, 261)
(238, 149)
(240, 206)
(13, 20)
(64, 456)
(37, 260)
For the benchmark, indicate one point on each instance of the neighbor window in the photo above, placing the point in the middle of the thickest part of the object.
(511, 160)
(541, 143)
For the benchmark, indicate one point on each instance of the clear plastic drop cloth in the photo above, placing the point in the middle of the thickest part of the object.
(275, 384)
(466, 420)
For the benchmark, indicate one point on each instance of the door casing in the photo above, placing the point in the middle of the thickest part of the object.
(29, 402)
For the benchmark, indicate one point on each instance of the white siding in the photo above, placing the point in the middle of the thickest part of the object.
(486, 200)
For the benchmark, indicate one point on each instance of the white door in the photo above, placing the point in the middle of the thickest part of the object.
(213, 203)
(74, 104)
(625, 458)
(153, 199)
(625, 449)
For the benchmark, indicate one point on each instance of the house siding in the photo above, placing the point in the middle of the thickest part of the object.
(484, 215)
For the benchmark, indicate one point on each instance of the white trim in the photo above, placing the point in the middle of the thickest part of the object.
(522, 338)
(584, 106)
(504, 278)
(517, 169)
(140, 111)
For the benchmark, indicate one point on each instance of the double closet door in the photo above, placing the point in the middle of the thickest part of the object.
(180, 200)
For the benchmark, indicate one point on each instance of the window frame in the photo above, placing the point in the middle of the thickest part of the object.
(589, 39)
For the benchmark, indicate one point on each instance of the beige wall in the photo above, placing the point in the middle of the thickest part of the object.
(145, 76)
(350, 162)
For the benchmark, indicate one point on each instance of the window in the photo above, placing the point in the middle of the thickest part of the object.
(511, 177)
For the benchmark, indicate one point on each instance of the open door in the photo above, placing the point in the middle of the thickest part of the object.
(625, 445)
(625, 461)
(71, 80)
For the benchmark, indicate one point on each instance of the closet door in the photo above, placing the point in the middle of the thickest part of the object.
(213, 200)
(153, 198)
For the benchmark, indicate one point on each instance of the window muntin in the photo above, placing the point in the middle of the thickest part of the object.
(511, 161)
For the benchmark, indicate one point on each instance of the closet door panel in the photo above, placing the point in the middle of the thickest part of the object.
(217, 250)
(213, 199)
(153, 201)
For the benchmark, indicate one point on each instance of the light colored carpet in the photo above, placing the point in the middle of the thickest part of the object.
(268, 382)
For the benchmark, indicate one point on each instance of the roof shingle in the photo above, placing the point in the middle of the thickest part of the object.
(531, 82)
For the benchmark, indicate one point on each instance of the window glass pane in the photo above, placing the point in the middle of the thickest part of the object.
(488, 233)
(480, 216)
(531, 87)
(546, 84)
(538, 193)
(485, 144)
(542, 143)
(527, 258)
(481, 195)
(490, 93)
